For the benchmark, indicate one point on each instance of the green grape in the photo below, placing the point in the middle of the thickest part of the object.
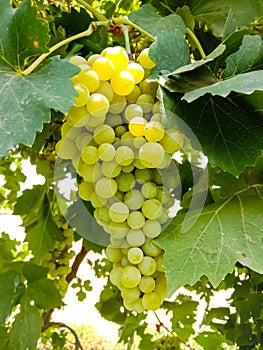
(157, 117)
(98, 105)
(77, 60)
(164, 217)
(110, 169)
(122, 83)
(151, 301)
(106, 90)
(134, 199)
(133, 110)
(96, 201)
(66, 148)
(145, 60)
(85, 190)
(136, 71)
(147, 284)
(127, 168)
(89, 155)
(118, 104)
(151, 154)
(130, 277)
(118, 229)
(143, 175)
(137, 163)
(163, 194)
(92, 58)
(77, 116)
(161, 285)
(147, 266)
(124, 155)
(103, 213)
(115, 275)
(136, 92)
(130, 294)
(152, 208)
(113, 254)
(149, 190)
(118, 212)
(138, 142)
(125, 182)
(146, 102)
(136, 220)
(159, 263)
(106, 152)
(153, 131)
(104, 134)
(118, 56)
(172, 141)
(89, 78)
(157, 177)
(113, 119)
(151, 249)
(104, 68)
(125, 261)
(149, 88)
(120, 130)
(106, 187)
(90, 173)
(135, 238)
(152, 228)
(137, 126)
(83, 95)
(83, 140)
(135, 255)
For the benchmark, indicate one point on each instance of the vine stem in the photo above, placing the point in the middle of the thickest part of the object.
(125, 20)
(125, 31)
(196, 41)
(64, 325)
(96, 13)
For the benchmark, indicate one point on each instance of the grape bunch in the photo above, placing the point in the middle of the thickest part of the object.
(119, 147)
(168, 342)
(58, 259)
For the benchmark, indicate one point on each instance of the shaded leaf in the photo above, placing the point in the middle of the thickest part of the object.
(45, 294)
(223, 234)
(211, 340)
(8, 284)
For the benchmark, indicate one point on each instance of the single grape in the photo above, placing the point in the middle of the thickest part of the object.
(85, 190)
(124, 155)
(147, 266)
(106, 187)
(83, 95)
(135, 255)
(77, 116)
(149, 190)
(118, 212)
(106, 152)
(98, 105)
(104, 68)
(135, 238)
(104, 134)
(89, 155)
(149, 88)
(118, 229)
(136, 92)
(118, 57)
(115, 275)
(143, 175)
(130, 294)
(145, 60)
(151, 154)
(153, 131)
(136, 219)
(118, 104)
(151, 301)
(126, 182)
(152, 228)
(133, 110)
(134, 199)
(172, 141)
(137, 125)
(77, 60)
(146, 102)
(89, 78)
(122, 83)
(113, 254)
(147, 284)
(137, 71)
(110, 169)
(106, 90)
(151, 249)
(130, 277)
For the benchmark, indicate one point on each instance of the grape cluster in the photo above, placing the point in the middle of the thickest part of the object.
(118, 145)
(168, 342)
(57, 260)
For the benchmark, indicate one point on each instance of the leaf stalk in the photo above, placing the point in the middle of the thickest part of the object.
(196, 41)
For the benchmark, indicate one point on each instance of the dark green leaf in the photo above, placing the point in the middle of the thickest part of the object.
(34, 272)
(45, 294)
(8, 285)
(27, 100)
(223, 234)
(22, 34)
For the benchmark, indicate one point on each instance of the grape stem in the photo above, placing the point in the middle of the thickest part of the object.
(125, 31)
(96, 13)
(125, 20)
(196, 41)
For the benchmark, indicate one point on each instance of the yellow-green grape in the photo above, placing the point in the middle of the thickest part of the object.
(118, 57)
(149, 88)
(154, 131)
(106, 152)
(136, 70)
(133, 110)
(145, 60)
(110, 169)
(118, 212)
(77, 116)
(104, 68)
(89, 78)
(136, 219)
(103, 214)
(120, 130)
(164, 217)
(151, 301)
(151, 154)
(92, 122)
(151, 249)
(122, 83)
(106, 90)
(77, 60)
(82, 140)
(149, 190)
(146, 102)
(96, 201)
(152, 208)
(172, 141)
(130, 277)
(113, 119)
(115, 275)
(104, 133)
(124, 155)
(134, 199)
(136, 92)
(138, 141)
(66, 148)
(118, 229)
(113, 254)
(90, 173)
(106, 187)
(135, 255)
(147, 266)
(126, 182)
(130, 294)
(147, 284)
(89, 155)
(85, 190)
(135, 238)
(98, 105)
(152, 228)
(159, 263)
(137, 125)
(118, 104)
(92, 58)
(166, 162)
(157, 117)
(83, 95)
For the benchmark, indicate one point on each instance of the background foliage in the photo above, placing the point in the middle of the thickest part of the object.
(209, 65)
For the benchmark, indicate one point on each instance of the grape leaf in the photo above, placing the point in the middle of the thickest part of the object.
(26, 328)
(149, 20)
(8, 284)
(225, 233)
(22, 35)
(26, 101)
(215, 12)
(231, 137)
(241, 61)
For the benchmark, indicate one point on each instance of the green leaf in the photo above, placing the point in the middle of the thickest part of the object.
(4, 336)
(26, 328)
(231, 137)
(211, 340)
(150, 21)
(214, 13)
(45, 294)
(224, 233)
(22, 34)
(242, 60)
(27, 100)
(8, 284)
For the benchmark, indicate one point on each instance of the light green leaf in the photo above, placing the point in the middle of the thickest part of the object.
(211, 340)
(22, 35)
(242, 60)
(26, 101)
(8, 284)
(225, 233)
(26, 328)
(149, 20)
(243, 83)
